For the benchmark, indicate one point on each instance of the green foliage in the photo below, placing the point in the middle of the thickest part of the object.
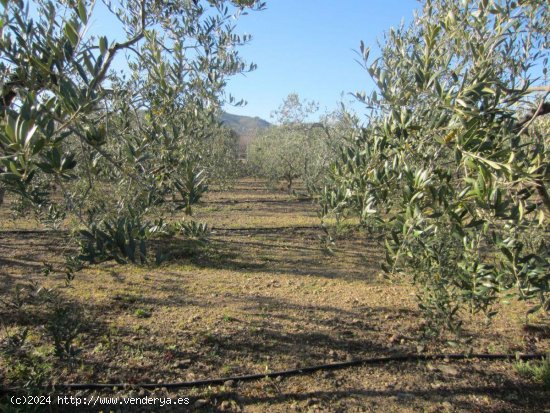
(194, 230)
(327, 241)
(538, 371)
(332, 202)
(14, 342)
(453, 166)
(17, 299)
(220, 158)
(122, 239)
(275, 155)
(105, 141)
(26, 364)
(64, 325)
(294, 149)
(31, 370)
(142, 313)
(196, 236)
(228, 319)
(191, 185)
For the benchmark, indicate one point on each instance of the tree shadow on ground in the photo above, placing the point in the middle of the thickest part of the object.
(257, 254)
(372, 400)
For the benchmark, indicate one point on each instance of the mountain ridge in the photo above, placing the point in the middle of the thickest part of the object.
(245, 126)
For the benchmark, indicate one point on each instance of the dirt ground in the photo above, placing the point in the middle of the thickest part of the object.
(263, 296)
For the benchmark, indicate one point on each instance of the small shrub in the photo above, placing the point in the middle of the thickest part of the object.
(228, 319)
(191, 186)
(17, 299)
(538, 371)
(327, 241)
(31, 370)
(193, 230)
(64, 325)
(142, 313)
(14, 342)
(23, 365)
(122, 239)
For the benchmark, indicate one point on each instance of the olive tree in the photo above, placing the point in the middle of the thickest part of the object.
(295, 148)
(453, 165)
(112, 144)
(278, 154)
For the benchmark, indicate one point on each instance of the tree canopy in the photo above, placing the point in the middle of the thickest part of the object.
(114, 144)
(453, 165)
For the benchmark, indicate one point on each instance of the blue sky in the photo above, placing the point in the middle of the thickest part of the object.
(309, 47)
(303, 46)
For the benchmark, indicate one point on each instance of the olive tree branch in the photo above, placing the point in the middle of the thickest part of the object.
(116, 47)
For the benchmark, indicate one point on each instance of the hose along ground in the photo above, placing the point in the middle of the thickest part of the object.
(298, 371)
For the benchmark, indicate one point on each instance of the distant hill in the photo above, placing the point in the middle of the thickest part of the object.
(246, 126)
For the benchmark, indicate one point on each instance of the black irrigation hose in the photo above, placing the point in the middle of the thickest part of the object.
(32, 231)
(300, 371)
(256, 201)
(259, 229)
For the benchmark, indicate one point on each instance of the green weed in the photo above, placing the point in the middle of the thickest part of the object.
(538, 371)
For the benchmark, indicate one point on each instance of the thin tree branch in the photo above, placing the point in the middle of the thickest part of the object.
(116, 47)
(543, 193)
(542, 109)
(534, 89)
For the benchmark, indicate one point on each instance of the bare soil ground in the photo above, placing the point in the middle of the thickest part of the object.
(261, 297)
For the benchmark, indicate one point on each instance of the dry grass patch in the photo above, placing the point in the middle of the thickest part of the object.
(267, 299)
